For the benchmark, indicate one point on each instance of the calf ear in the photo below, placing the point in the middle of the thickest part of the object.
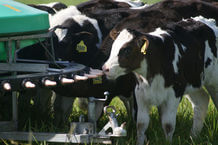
(83, 33)
(113, 34)
(143, 44)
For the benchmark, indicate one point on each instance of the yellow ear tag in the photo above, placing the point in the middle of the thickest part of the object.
(97, 80)
(81, 47)
(144, 48)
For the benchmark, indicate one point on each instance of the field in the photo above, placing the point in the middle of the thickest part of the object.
(208, 136)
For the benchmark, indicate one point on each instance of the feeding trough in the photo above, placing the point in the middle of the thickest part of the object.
(22, 26)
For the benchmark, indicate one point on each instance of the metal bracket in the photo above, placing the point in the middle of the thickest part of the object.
(117, 130)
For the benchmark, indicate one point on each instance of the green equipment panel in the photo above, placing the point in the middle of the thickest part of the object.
(17, 19)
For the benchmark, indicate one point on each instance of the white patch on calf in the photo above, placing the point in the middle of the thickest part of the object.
(158, 32)
(114, 69)
(208, 53)
(143, 68)
(140, 7)
(210, 75)
(61, 33)
(132, 4)
(177, 55)
(156, 92)
(123, 38)
(112, 63)
(60, 17)
(51, 5)
(199, 100)
(183, 48)
(209, 22)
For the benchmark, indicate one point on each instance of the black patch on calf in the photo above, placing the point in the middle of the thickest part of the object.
(208, 61)
(168, 128)
(37, 51)
(59, 6)
(43, 8)
(107, 19)
(99, 5)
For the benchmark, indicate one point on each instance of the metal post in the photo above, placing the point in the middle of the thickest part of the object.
(15, 108)
(14, 93)
(9, 45)
(91, 113)
(52, 49)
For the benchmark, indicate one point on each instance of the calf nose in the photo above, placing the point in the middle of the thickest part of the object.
(105, 68)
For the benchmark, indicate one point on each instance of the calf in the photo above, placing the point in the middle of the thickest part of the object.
(169, 62)
(156, 15)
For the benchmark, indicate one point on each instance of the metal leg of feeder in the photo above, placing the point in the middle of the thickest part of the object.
(9, 46)
(14, 108)
(91, 112)
(92, 109)
(52, 49)
(14, 93)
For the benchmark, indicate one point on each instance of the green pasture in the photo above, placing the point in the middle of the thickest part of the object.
(209, 136)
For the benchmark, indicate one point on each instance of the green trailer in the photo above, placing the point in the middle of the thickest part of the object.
(17, 19)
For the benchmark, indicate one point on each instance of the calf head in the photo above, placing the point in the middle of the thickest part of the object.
(77, 41)
(127, 54)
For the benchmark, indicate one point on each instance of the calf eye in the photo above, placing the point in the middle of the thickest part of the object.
(125, 51)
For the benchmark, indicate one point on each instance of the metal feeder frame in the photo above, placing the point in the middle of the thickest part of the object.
(80, 132)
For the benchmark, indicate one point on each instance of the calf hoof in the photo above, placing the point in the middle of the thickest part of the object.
(142, 141)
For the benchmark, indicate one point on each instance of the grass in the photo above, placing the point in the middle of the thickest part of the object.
(209, 135)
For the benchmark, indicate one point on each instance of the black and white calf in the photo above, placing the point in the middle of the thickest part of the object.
(169, 62)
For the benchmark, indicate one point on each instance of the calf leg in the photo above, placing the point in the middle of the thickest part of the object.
(214, 95)
(62, 108)
(142, 123)
(168, 116)
(199, 100)
(43, 100)
(142, 116)
(129, 104)
(211, 80)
